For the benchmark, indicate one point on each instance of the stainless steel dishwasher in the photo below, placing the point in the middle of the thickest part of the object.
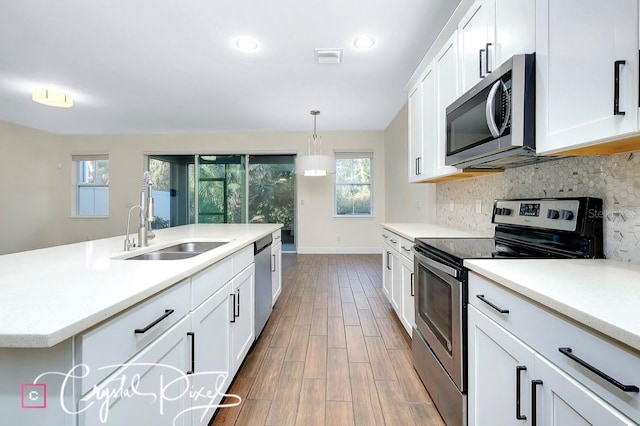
(262, 259)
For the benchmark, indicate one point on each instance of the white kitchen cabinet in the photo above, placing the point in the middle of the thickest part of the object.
(242, 324)
(491, 32)
(497, 361)
(276, 271)
(211, 370)
(423, 128)
(150, 389)
(415, 133)
(504, 332)
(578, 48)
(447, 91)
(396, 282)
(407, 314)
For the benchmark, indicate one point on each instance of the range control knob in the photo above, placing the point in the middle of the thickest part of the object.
(497, 211)
(553, 214)
(506, 211)
(566, 214)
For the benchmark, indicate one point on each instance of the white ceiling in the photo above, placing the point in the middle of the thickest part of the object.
(151, 66)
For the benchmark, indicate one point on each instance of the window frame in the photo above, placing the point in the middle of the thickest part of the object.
(346, 155)
(76, 161)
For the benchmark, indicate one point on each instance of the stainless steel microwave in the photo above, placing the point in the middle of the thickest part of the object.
(493, 124)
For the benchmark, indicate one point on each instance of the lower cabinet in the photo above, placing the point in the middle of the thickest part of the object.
(242, 323)
(515, 380)
(397, 277)
(408, 315)
(276, 271)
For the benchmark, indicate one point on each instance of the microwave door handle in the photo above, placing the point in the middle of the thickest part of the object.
(491, 99)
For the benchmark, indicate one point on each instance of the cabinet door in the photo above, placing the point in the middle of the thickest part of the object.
(150, 389)
(513, 30)
(429, 123)
(276, 272)
(578, 43)
(415, 133)
(496, 361)
(211, 368)
(396, 282)
(561, 401)
(408, 316)
(473, 32)
(447, 92)
(387, 271)
(242, 329)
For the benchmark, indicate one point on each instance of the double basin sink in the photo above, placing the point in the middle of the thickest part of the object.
(180, 251)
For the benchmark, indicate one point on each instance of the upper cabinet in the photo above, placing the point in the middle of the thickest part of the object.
(491, 32)
(587, 79)
(415, 134)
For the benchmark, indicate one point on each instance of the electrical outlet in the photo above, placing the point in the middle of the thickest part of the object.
(418, 205)
(478, 206)
(302, 202)
(450, 205)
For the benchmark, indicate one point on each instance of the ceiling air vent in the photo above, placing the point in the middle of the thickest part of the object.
(328, 56)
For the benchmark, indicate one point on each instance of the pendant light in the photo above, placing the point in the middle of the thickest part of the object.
(315, 164)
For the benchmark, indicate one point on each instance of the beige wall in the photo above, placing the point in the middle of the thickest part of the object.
(317, 230)
(406, 202)
(29, 172)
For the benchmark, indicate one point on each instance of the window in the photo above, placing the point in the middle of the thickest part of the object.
(353, 184)
(91, 185)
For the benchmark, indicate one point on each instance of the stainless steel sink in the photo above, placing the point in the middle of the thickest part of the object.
(165, 255)
(180, 251)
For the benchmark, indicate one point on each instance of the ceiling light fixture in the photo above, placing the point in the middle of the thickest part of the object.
(52, 97)
(364, 42)
(315, 164)
(246, 44)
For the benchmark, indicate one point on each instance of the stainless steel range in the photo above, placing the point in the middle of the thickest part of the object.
(525, 228)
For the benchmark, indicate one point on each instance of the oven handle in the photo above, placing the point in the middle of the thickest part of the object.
(436, 265)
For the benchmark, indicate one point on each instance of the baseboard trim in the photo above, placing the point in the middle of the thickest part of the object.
(339, 250)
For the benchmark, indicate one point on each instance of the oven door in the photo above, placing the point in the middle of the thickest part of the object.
(438, 301)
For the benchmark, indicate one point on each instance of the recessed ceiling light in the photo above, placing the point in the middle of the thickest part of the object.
(247, 44)
(52, 97)
(364, 42)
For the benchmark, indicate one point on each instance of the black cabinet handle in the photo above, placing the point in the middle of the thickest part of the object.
(388, 262)
(481, 75)
(519, 369)
(616, 87)
(534, 383)
(273, 268)
(233, 307)
(193, 352)
(502, 311)
(412, 293)
(486, 57)
(167, 312)
(626, 388)
(238, 303)
(393, 241)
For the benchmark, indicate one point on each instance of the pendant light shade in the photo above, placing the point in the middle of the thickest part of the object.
(315, 164)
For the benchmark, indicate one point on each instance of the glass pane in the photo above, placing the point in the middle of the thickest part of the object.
(221, 188)
(211, 196)
(353, 170)
(85, 201)
(353, 199)
(101, 202)
(86, 172)
(434, 305)
(102, 172)
(161, 193)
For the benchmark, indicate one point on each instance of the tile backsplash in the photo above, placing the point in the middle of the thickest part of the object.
(614, 178)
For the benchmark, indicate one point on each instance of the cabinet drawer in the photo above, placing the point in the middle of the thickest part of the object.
(277, 236)
(405, 248)
(547, 331)
(391, 240)
(242, 259)
(207, 282)
(115, 341)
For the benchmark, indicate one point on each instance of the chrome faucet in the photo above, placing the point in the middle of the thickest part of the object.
(146, 215)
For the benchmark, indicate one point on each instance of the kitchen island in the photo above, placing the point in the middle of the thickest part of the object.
(64, 307)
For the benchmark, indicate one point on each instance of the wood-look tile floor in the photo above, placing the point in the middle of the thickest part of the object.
(332, 353)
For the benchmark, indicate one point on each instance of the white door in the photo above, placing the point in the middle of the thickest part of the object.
(415, 133)
(447, 92)
(211, 368)
(578, 44)
(408, 316)
(514, 30)
(276, 272)
(473, 33)
(561, 401)
(500, 373)
(150, 390)
(242, 327)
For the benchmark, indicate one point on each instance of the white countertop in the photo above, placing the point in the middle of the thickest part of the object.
(49, 295)
(411, 231)
(603, 295)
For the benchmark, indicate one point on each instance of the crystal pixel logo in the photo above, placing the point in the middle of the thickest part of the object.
(34, 395)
